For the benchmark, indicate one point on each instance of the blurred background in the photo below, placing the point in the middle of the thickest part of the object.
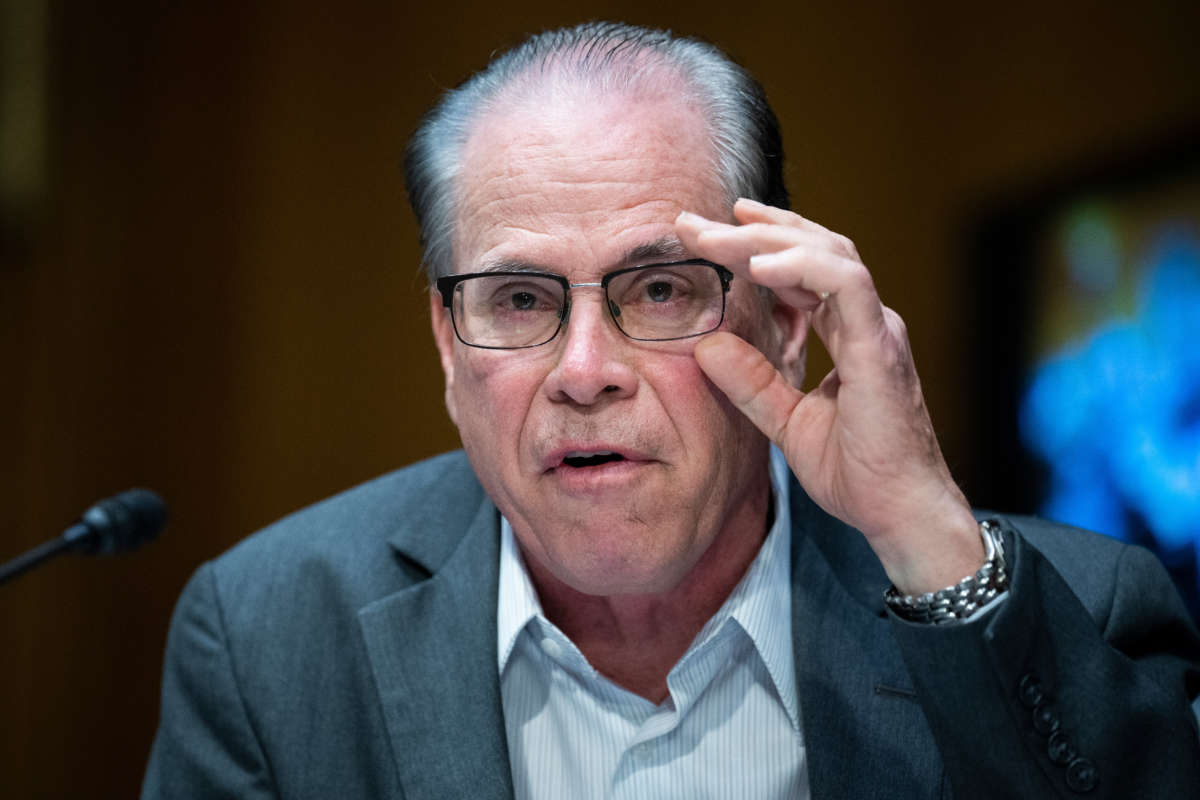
(209, 275)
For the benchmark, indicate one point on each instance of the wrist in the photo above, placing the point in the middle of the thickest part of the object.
(961, 600)
(934, 551)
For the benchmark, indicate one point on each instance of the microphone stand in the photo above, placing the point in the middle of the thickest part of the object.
(31, 558)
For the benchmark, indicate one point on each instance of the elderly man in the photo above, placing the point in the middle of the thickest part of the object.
(660, 568)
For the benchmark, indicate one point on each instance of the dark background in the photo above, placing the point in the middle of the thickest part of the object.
(208, 272)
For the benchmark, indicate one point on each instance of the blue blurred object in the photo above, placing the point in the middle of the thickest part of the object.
(1115, 414)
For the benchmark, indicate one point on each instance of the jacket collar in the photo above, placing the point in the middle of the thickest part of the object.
(432, 651)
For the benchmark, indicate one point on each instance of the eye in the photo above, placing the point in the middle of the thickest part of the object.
(505, 294)
(659, 291)
(524, 301)
(659, 287)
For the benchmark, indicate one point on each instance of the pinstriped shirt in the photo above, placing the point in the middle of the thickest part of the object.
(730, 726)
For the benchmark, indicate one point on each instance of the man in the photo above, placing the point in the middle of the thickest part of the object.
(622, 589)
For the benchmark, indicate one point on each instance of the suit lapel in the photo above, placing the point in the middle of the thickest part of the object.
(432, 648)
(865, 735)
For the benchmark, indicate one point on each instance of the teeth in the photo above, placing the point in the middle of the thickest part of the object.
(588, 454)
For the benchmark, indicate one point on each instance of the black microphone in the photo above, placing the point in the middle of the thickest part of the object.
(116, 525)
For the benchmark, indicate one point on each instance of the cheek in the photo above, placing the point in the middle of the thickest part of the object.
(700, 413)
(493, 394)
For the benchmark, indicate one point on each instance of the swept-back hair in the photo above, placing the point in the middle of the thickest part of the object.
(610, 57)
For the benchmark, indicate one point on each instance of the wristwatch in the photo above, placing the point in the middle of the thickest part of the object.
(960, 601)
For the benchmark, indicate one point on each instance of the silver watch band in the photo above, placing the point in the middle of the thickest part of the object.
(960, 601)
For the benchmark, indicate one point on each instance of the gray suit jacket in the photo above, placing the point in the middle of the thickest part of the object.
(349, 651)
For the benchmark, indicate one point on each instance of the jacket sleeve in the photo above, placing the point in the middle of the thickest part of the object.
(1052, 695)
(206, 746)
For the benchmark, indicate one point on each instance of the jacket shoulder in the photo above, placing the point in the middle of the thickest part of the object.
(354, 539)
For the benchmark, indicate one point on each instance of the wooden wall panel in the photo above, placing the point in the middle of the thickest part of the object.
(222, 302)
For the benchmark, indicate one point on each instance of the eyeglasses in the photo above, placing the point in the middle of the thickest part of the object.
(509, 310)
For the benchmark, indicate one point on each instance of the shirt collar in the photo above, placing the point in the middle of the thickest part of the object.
(760, 603)
(518, 601)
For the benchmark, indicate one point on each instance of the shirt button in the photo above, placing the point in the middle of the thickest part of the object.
(552, 648)
(1082, 775)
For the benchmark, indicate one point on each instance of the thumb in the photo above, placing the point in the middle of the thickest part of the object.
(750, 382)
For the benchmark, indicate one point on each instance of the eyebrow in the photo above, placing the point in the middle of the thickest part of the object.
(512, 265)
(667, 248)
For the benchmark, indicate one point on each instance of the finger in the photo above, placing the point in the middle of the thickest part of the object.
(737, 244)
(748, 211)
(801, 265)
(705, 238)
(734, 245)
(750, 382)
(689, 226)
(843, 283)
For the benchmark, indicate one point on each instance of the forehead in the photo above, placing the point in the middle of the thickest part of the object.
(583, 179)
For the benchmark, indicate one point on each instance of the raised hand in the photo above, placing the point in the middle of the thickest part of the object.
(861, 443)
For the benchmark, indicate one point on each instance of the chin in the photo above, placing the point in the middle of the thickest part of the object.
(624, 586)
(622, 575)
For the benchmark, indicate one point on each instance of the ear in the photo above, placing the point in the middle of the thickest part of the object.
(791, 329)
(443, 336)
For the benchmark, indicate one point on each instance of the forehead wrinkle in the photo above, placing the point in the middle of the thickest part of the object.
(509, 182)
(499, 192)
(634, 150)
(530, 189)
(544, 221)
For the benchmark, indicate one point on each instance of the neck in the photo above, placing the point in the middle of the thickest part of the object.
(636, 639)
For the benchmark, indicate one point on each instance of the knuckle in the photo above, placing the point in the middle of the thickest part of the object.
(859, 278)
(760, 377)
(895, 322)
(845, 245)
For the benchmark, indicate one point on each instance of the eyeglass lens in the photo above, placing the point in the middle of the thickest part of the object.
(654, 303)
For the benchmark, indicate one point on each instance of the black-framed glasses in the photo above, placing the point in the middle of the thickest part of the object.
(509, 310)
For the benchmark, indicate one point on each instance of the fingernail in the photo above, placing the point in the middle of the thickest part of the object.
(764, 260)
(694, 219)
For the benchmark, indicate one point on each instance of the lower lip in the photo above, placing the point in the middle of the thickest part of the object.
(615, 475)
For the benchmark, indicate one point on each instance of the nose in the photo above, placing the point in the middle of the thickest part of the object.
(593, 365)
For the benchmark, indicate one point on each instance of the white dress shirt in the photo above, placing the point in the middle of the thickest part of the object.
(730, 726)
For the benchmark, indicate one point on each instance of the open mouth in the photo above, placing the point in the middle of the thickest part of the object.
(582, 460)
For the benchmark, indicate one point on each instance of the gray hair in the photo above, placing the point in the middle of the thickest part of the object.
(611, 57)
